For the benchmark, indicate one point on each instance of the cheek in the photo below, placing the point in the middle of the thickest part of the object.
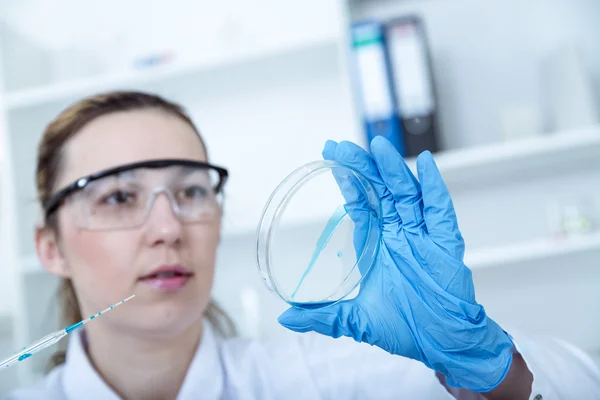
(99, 260)
(202, 245)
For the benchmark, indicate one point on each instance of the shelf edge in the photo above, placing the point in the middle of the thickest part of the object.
(531, 251)
(54, 92)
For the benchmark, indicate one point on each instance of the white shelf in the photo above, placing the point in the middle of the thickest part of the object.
(544, 155)
(130, 79)
(533, 251)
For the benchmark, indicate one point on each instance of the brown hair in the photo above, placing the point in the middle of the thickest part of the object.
(50, 149)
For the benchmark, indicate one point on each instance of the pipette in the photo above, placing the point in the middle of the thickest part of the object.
(52, 338)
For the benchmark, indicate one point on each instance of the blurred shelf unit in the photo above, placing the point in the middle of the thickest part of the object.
(38, 72)
(534, 251)
(143, 78)
(522, 159)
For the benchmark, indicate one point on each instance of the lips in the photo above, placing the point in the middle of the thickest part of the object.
(168, 277)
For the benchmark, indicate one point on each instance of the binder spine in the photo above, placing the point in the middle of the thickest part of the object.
(414, 84)
(373, 83)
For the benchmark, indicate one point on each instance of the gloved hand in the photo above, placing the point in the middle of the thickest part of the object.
(418, 299)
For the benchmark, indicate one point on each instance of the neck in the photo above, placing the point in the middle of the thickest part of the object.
(142, 368)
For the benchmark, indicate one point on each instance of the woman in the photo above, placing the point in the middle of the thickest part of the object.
(132, 206)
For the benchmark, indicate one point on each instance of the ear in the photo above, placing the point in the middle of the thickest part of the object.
(49, 254)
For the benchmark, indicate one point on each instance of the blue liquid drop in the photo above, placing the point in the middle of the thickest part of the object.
(340, 254)
(92, 317)
(24, 356)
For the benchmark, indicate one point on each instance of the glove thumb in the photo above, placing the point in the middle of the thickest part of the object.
(341, 319)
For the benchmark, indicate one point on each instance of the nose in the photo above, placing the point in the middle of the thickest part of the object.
(163, 225)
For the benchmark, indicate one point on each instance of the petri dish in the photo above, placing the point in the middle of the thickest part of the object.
(319, 235)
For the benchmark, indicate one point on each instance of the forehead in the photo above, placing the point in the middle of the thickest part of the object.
(127, 137)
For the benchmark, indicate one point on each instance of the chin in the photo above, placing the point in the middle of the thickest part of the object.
(170, 327)
(175, 313)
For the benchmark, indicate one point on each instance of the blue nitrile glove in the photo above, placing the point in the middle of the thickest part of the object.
(418, 300)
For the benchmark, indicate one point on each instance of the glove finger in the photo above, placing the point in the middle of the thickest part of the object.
(356, 203)
(357, 158)
(449, 274)
(341, 319)
(438, 209)
(400, 181)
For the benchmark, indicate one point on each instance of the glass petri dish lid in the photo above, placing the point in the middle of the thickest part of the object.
(319, 235)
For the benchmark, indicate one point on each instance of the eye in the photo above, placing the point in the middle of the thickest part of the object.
(118, 197)
(194, 192)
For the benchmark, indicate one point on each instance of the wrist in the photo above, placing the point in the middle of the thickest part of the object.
(517, 383)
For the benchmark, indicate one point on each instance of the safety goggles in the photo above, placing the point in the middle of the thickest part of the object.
(122, 197)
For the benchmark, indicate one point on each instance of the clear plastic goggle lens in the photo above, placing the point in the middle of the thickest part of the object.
(124, 201)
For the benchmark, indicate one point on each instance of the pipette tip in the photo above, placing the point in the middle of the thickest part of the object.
(51, 339)
(85, 321)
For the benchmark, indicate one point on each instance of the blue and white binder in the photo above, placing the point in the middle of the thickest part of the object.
(372, 73)
(414, 86)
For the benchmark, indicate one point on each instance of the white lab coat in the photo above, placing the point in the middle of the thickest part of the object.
(311, 366)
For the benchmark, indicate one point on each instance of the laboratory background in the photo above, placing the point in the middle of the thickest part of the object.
(505, 93)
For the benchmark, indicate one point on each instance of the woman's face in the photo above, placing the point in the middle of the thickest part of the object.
(109, 265)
